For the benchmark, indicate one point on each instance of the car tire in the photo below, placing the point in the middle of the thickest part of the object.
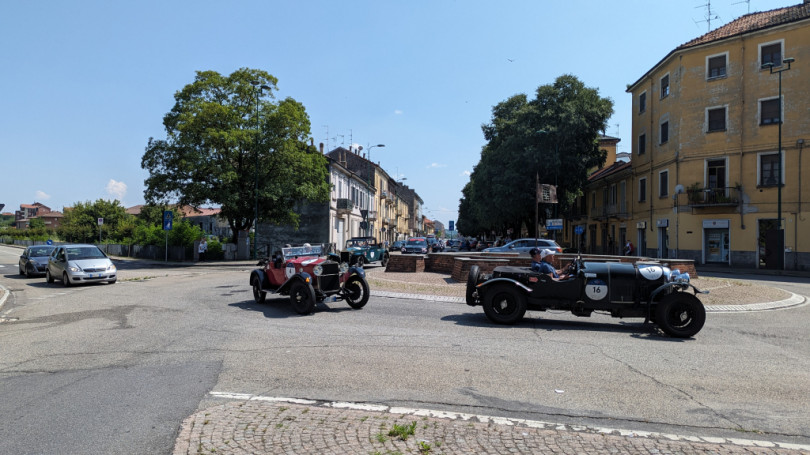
(65, 280)
(302, 297)
(48, 276)
(385, 258)
(472, 280)
(356, 292)
(504, 304)
(22, 272)
(680, 315)
(360, 261)
(258, 295)
(112, 281)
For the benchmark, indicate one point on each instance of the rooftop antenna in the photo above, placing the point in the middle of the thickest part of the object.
(747, 2)
(327, 137)
(342, 139)
(709, 16)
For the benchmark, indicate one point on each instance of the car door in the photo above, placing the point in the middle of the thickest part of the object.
(57, 262)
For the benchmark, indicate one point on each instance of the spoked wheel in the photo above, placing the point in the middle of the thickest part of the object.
(503, 304)
(258, 294)
(680, 315)
(472, 280)
(356, 292)
(384, 261)
(360, 261)
(302, 297)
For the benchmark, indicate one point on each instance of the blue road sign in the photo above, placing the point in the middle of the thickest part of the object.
(168, 218)
(49, 242)
(579, 230)
(451, 225)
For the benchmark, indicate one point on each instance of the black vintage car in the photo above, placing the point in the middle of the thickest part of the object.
(643, 290)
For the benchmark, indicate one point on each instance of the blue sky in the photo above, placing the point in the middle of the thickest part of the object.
(86, 83)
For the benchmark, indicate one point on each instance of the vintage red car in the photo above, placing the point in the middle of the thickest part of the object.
(309, 274)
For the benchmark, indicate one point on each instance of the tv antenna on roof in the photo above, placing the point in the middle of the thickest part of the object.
(747, 2)
(709, 16)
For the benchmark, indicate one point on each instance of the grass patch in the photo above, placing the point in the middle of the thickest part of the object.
(403, 431)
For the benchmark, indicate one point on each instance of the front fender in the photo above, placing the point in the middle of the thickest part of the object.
(354, 271)
(302, 277)
(668, 286)
(504, 280)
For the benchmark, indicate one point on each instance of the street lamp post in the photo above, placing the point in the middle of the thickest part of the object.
(370, 182)
(256, 85)
(780, 245)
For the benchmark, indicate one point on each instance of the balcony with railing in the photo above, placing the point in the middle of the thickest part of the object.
(344, 206)
(713, 197)
(372, 215)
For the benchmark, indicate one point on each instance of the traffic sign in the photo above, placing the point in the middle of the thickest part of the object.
(168, 218)
(555, 224)
(579, 230)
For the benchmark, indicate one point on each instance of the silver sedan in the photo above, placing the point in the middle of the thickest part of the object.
(80, 264)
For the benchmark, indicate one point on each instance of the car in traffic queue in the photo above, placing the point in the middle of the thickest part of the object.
(363, 250)
(309, 274)
(34, 260)
(647, 290)
(415, 245)
(396, 246)
(523, 246)
(80, 263)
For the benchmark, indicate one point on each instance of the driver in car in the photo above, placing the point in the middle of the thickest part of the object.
(541, 262)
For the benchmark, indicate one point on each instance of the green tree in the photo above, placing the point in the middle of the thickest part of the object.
(214, 151)
(36, 223)
(80, 223)
(552, 138)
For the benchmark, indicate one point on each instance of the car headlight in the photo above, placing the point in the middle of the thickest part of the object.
(344, 267)
(73, 268)
(111, 268)
(318, 270)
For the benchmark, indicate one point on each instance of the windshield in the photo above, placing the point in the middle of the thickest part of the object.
(355, 243)
(83, 252)
(40, 251)
(298, 251)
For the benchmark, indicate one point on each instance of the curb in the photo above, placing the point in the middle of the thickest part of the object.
(794, 300)
(5, 295)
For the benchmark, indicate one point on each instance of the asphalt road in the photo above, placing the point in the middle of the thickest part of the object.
(116, 368)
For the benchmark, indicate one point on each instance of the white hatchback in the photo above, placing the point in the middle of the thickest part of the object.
(74, 264)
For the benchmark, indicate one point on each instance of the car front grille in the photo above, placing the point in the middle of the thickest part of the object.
(330, 278)
(95, 270)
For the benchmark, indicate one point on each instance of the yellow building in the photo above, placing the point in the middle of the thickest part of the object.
(706, 135)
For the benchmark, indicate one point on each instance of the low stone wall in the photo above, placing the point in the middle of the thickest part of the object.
(457, 265)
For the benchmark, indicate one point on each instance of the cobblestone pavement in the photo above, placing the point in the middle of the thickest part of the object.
(252, 425)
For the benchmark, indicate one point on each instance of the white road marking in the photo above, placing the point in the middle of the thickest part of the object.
(511, 422)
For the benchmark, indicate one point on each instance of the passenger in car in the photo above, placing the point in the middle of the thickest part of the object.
(541, 263)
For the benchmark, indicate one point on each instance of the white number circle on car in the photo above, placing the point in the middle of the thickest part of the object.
(651, 273)
(596, 289)
(371, 254)
(290, 270)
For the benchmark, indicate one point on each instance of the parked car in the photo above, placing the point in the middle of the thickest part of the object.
(643, 290)
(77, 263)
(453, 245)
(397, 246)
(362, 250)
(34, 260)
(523, 246)
(415, 245)
(309, 274)
(435, 244)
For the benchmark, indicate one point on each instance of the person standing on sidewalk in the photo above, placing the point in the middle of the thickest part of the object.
(202, 248)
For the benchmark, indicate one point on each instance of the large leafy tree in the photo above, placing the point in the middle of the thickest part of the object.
(552, 138)
(221, 136)
(80, 223)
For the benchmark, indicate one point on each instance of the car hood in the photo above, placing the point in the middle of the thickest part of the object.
(97, 263)
(41, 260)
(354, 249)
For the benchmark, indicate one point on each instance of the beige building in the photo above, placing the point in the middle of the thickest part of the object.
(706, 163)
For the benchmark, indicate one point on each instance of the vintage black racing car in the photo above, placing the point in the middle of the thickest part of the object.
(644, 290)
